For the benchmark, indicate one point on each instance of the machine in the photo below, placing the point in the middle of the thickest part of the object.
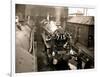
(57, 43)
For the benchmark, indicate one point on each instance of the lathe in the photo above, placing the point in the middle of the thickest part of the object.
(57, 42)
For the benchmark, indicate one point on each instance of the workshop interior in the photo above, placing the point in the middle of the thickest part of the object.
(53, 38)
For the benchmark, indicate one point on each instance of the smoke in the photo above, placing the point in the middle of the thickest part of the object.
(58, 11)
